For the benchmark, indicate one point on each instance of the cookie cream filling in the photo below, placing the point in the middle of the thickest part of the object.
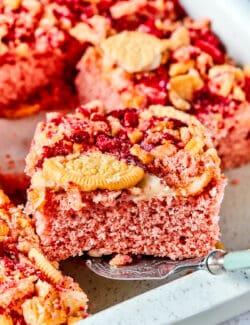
(150, 186)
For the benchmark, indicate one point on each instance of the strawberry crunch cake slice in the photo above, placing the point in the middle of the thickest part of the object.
(42, 40)
(129, 182)
(32, 289)
(174, 63)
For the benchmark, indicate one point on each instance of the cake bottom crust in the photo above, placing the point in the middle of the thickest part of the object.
(171, 226)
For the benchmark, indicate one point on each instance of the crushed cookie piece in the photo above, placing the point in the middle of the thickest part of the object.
(178, 101)
(94, 32)
(143, 155)
(134, 51)
(12, 4)
(180, 68)
(135, 136)
(186, 85)
(120, 260)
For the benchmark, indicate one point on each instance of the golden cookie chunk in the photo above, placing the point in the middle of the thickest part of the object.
(92, 171)
(195, 146)
(196, 129)
(4, 229)
(45, 266)
(6, 320)
(178, 101)
(12, 4)
(222, 84)
(135, 136)
(22, 50)
(179, 38)
(246, 70)
(134, 51)
(94, 32)
(185, 85)
(143, 155)
(238, 94)
(164, 150)
(226, 68)
(178, 68)
(197, 184)
(219, 245)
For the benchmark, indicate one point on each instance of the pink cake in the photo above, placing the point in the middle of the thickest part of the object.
(129, 182)
(173, 63)
(41, 42)
(32, 289)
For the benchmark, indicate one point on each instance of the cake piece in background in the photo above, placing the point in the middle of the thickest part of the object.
(39, 50)
(36, 58)
(130, 182)
(41, 42)
(32, 289)
(183, 65)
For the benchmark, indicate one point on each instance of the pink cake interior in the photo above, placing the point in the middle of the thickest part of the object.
(166, 226)
(91, 85)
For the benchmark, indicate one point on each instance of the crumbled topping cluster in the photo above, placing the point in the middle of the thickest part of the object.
(32, 289)
(180, 63)
(148, 139)
(46, 25)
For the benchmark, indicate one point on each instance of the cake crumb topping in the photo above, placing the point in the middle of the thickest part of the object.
(94, 150)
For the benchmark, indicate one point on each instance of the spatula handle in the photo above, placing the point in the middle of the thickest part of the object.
(218, 261)
(237, 260)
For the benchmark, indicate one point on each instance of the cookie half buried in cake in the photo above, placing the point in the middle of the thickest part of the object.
(32, 289)
(130, 182)
(184, 65)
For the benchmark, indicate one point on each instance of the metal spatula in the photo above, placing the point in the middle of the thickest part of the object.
(216, 262)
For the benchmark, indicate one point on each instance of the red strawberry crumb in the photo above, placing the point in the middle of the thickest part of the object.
(131, 118)
(210, 49)
(98, 117)
(118, 113)
(158, 79)
(80, 137)
(83, 111)
(247, 88)
(150, 28)
(106, 143)
(59, 149)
